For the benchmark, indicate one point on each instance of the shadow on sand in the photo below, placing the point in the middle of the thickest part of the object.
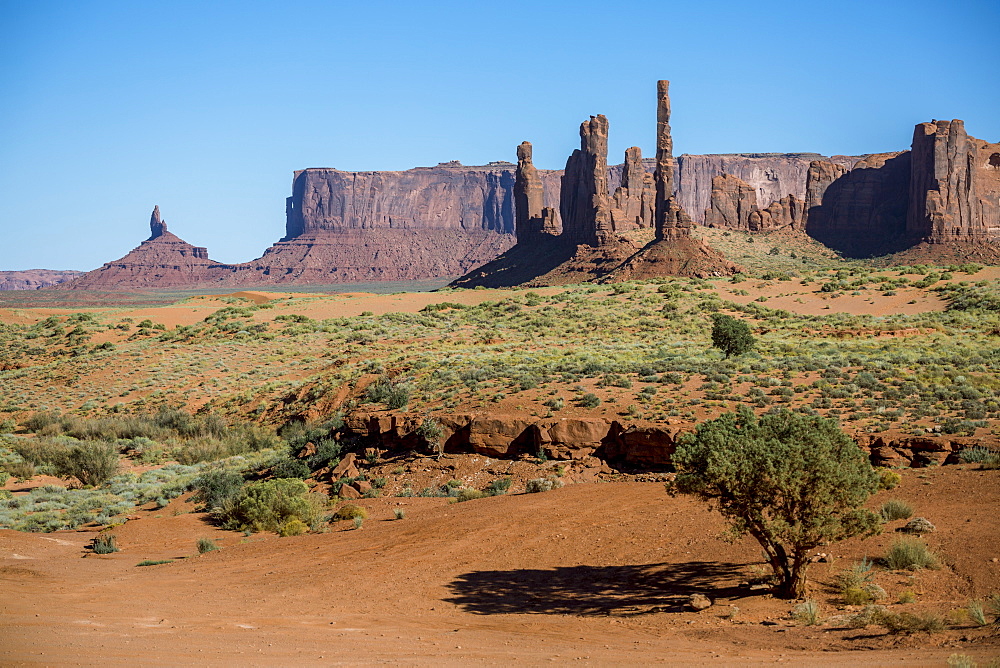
(594, 590)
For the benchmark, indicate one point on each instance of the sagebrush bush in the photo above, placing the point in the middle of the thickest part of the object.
(104, 543)
(888, 479)
(894, 509)
(293, 527)
(218, 486)
(350, 511)
(536, 485)
(90, 462)
(498, 487)
(807, 613)
(266, 505)
(910, 554)
(206, 545)
(469, 494)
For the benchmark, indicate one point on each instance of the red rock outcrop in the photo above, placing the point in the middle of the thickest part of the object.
(785, 213)
(33, 279)
(531, 216)
(585, 207)
(944, 204)
(771, 175)
(632, 204)
(672, 222)
(731, 203)
(162, 261)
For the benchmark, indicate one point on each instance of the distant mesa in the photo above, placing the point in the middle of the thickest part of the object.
(510, 224)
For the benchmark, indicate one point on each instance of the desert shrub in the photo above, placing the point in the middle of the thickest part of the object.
(206, 545)
(977, 613)
(21, 469)
(293, 527)
(807, 613)
(218, 487)
(589, 400)
(888, 479)
(266, 505)
(498, 487)
(431, 431)
(894, 509)
(791, 481)
(288, 467)
(468, 494)
(731, 336)
(399, 513)
(542, 485)
(154, 562)
(38, 421)
(910, 554)
(104, 543)
(975, 455)
(350, 511)
(907, 596)
(385, 390)
(327, 454)
(90, 462)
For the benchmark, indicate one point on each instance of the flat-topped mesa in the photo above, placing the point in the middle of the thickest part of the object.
(672, 222)
(531, 217)
(943, 204)
(632, 203)
(157, 227)
(584, 203)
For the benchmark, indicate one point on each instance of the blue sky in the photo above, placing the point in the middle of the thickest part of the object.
(206, 108)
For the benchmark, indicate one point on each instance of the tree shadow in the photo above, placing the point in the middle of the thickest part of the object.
(595, 590)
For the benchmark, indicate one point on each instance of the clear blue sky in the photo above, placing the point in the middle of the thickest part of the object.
(206, 108)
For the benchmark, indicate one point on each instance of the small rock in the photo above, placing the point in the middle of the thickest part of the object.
(918, 525)
(700, 602)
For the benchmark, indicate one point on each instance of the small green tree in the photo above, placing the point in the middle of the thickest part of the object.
(90, 462)
(793, 482)
(730, 335)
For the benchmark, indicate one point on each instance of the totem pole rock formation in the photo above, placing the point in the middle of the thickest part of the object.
(672, 222)
(585, 206)
(157, 227)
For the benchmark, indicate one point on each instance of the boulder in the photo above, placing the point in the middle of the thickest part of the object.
(699, 602)
(572, 438)
(500, 436)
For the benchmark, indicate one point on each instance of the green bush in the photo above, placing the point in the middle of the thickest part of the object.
(888, 479)
(792, 481)
(807, 613)
(536, 485)
(104, 543)
(218, 487)
(350, 511)
(206, 545)
(268, 504)
(293, 527)
(498, 487)
(90, 462)
(589, 400)
(910, 554)
(894, 509)
(731, 336)
(289, 467)
(469, 494)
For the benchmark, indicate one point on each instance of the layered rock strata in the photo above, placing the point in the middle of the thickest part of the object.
(33, 279)
(162, 261)
(734, 206)
(942, 191)
(632, 205)
(584, 204)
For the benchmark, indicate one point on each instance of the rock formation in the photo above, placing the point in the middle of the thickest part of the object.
(532, 218)
(162, 261)
(731, 203)
(942, 191)
(771, 175)
(633, 202)
(33, 279)
(944, 204)
(672, 222)
(584, 204)
(734, 206)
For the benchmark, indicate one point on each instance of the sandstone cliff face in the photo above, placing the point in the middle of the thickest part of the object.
(772, 175)
(944, 204)
(731, 203)
(584, 204)
(33, 279)
(632, 205)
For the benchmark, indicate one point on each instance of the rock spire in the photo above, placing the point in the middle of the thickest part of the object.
(672, 222)
(632, 203)
(157, 227)
(531, 217)
(584, 202)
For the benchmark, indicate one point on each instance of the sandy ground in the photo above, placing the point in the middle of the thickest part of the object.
(591, 574)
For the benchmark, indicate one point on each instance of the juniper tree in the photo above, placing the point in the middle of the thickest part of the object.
(792, 481)
(730, 335)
